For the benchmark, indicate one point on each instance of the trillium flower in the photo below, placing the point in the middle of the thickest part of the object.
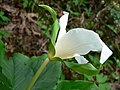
(78, 42)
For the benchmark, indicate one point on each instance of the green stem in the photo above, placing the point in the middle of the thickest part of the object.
(35, 77)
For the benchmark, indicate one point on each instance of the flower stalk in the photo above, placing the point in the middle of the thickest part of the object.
(38, 73)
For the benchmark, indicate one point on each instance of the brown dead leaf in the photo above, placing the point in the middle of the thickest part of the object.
(25, 36)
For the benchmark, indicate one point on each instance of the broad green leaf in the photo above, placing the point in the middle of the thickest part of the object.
(36, 61)
(88, 69)
(17, 71)
(49, 76)
(2, 52)
(4, 87)
(55, 26)
(76, 85)
(20, 70)
(4, 82)
(51, 50)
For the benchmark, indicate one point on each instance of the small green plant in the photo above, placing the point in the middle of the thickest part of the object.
(25, 3)
(88, 11)
(4, 33)
(101, 81)
(45, 28)
(3, 19)
(29, 4)
(115, 15)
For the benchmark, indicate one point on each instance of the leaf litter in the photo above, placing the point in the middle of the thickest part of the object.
(26, 36)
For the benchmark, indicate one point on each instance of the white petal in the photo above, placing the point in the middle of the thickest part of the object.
(81, 59)
(105, 54)
(63, 23)
(77, 41)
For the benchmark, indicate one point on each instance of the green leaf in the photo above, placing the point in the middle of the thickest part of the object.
(101, 78)
(76, 85)
(49, 77)
(56, 59)
(104, 86)
(4, 82)
(1, 13)
(89, 77)
(17, 71)
(2, 52)
(51, 49)
(88, 69)
(51, 11)
(55, 26)
(3, 17)
(25, 3)
(55, 31)
(5, 33)
(20, 69)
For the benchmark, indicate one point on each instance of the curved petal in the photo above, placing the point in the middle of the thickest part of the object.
(105, 54)
(81, 59)
(63, 23)
(77, 41)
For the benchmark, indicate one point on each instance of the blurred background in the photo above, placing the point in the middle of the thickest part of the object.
(30, 28)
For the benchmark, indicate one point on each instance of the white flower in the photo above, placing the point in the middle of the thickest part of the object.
(78, 42)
